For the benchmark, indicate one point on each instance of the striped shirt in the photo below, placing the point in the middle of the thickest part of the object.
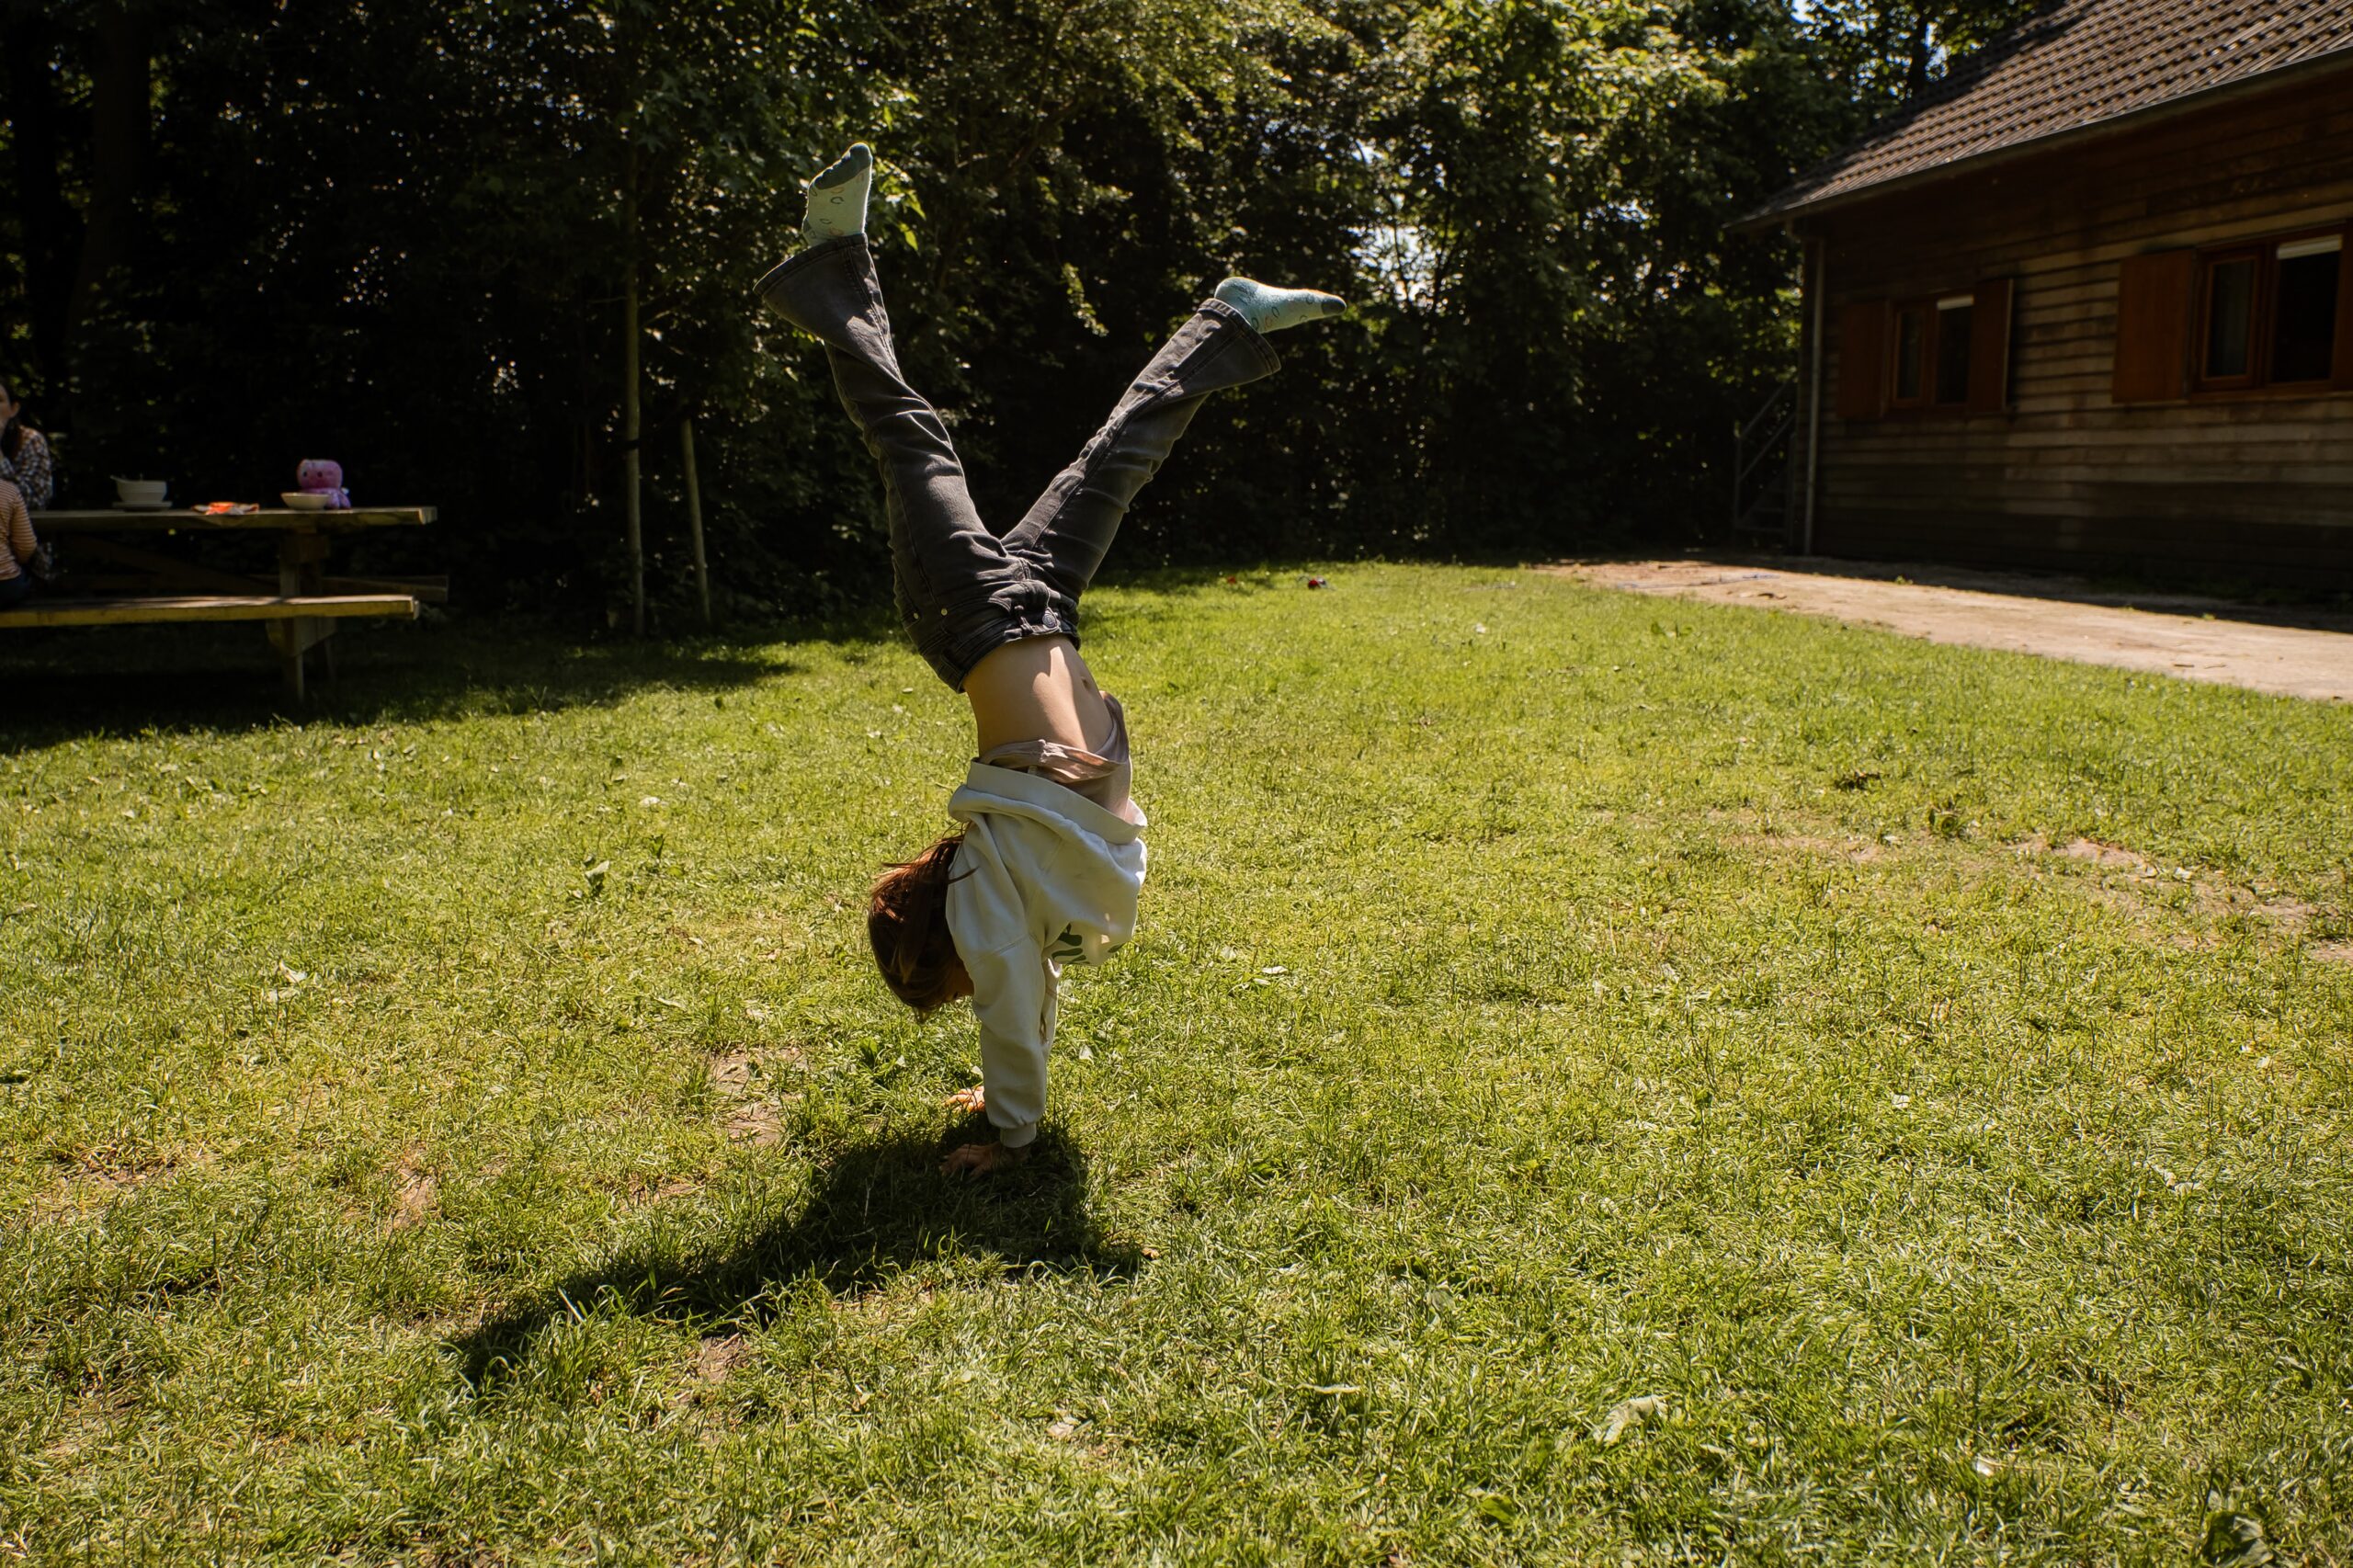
(17, 525)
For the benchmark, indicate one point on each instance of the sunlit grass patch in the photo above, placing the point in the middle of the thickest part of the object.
(1597, 1079)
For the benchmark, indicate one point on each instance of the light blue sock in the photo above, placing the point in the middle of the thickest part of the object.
(837, 197)
(1271, 310)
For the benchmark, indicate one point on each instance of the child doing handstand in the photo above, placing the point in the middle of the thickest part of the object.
(1046, 868)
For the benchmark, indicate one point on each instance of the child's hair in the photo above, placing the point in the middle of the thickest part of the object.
(907, 922)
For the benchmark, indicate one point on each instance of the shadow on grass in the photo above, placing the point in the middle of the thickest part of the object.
(871, 1211)
(111, 681)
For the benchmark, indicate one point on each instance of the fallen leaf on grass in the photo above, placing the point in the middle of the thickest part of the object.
(2235, 1537)
(1627, 1415)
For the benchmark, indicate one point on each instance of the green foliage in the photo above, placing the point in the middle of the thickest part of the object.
(1884, 51)
(1598, 1081)
(400, 235)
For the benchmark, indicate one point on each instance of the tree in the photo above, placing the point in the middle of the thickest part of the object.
(402, 234)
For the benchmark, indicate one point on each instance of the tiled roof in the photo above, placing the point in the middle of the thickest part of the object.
(2072, 64)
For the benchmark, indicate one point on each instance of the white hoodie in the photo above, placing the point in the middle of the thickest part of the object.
(1045, 878)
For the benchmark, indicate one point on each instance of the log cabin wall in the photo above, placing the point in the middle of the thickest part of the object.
(2212, 487)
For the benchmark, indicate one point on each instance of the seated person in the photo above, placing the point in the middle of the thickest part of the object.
(24, 456)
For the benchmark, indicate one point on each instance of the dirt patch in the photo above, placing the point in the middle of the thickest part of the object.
(2182, 905)
(415, 1192)
(98, 1174)
(119, 1164)
(2190, 639)
(2107, 854)
(740, 1076)
(1753, 830)
(730, 1072)
(716, 1357)
(645, 1189)
(2211, 896)
(760, 1125)
(1860, 850)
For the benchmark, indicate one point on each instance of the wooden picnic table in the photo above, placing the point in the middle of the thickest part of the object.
(300, 609)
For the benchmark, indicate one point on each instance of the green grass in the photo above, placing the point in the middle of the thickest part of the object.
(1546, 1000)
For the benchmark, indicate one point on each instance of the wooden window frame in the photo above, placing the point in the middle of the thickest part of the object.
(2211, 262)
(1930, 312)
(1869, 339)
(1934, 386)
(2262, 320)
(1927, 310)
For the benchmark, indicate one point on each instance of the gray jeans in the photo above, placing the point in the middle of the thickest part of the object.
(963, 590)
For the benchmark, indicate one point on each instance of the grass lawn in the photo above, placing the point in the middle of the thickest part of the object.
(1600, 1080)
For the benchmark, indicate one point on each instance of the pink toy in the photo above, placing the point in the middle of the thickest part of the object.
(323, 476)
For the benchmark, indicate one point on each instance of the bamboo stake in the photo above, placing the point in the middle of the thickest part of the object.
(694, 515)
(630, 430)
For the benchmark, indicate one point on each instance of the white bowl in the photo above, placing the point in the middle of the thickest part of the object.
(305, 500)
(141, 491)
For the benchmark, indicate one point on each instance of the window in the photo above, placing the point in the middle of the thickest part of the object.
(1909, 372)
(2303, 321)
(1953, 330)
(1929, 353)
(1945, 354)
(2230, 315)
(2267, 314)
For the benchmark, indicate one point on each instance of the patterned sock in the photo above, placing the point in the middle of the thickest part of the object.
(1271, 310)
(837, 197)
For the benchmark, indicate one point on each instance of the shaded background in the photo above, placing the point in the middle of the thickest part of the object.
(399, 233)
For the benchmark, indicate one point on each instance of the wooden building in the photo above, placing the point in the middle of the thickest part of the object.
(2087, 303)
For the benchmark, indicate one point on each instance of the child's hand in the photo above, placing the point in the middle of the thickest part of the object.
(982, 1159)
(974, 1100)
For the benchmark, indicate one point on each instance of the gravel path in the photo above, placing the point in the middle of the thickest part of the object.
(2294, 653)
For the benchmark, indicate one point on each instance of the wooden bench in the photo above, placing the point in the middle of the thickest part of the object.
(294, 619)
(221, 606)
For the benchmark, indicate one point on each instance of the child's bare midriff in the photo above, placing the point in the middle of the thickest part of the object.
(1037, 689)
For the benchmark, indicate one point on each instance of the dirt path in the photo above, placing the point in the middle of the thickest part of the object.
(2292, 654)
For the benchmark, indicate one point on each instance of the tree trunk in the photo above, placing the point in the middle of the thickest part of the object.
(630, 428)
(1915, 65)
(119, 94)
(51, 232)
(693, 514)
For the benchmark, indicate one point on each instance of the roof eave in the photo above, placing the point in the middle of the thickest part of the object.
(1775, 213)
